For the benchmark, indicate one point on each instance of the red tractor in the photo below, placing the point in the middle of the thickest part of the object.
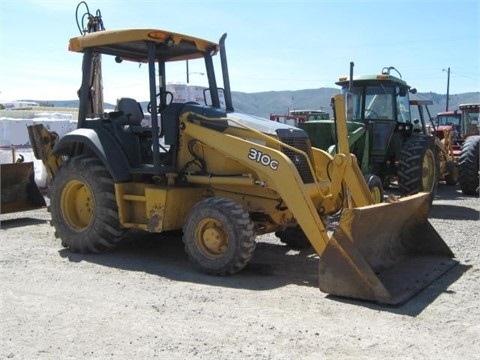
(459, 133)
(295, 117)
(468, 160)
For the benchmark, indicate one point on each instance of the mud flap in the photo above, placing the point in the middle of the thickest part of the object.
(385, 253)
(19, 190)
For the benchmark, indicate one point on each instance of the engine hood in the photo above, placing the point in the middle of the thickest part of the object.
(261, 124)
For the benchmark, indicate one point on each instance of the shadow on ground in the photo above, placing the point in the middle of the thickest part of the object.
(20, 222)
(273, 265)
(441, 210)
(419, 302)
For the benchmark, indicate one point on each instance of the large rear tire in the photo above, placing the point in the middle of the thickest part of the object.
(468, 165)
(219, 236)
(83, 207)
(418, 169)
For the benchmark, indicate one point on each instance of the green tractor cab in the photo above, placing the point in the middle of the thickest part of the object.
(391, 149)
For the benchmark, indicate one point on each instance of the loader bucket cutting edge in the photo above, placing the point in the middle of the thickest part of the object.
(19, 190)
(385, 252)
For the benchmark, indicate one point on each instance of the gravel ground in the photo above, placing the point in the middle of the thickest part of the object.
(145, 300)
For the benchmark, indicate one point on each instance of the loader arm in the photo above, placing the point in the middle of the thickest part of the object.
(359, 193)
(285, 179)
(282, 178)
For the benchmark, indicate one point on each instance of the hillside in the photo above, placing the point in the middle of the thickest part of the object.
(264, 103)
(280, 102)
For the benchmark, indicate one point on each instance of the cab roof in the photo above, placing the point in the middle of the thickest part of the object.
(469, 106)
(372, 78)
(131, 44)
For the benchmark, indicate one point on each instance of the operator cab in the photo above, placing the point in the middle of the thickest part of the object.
(148, 143)
(470, 124)
(381, 102)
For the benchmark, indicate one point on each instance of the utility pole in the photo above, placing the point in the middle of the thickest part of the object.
(448, 87)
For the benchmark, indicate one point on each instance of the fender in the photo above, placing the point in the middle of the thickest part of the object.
(105, 147)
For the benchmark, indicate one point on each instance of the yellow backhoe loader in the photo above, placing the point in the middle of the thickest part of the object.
(225, 177)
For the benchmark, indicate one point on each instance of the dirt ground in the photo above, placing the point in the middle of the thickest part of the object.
(145, 300)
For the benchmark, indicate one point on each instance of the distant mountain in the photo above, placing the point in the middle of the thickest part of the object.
(440, 101)
(280, 102)
(63, 103)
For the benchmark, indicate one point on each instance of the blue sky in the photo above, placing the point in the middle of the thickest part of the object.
(271, 45)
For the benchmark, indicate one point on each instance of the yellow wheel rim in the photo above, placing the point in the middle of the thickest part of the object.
(210, 238)
(428, 171)
(377, 195)
(77, 205)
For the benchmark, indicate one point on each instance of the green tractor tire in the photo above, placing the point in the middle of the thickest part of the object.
(418, 169)
(468, 166)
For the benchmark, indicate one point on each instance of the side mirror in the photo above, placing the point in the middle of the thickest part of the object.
(402, 91)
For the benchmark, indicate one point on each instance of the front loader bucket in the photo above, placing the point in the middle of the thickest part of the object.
(385, 252)
(19, 190)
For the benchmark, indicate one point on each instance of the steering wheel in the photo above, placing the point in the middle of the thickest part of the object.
(369, 113)
(168, 101)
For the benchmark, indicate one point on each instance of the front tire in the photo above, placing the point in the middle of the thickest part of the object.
(376, 187)
(418, 169)
(83, 207)
(219, 236)
(468, 165)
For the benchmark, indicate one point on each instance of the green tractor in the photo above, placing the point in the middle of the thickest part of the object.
(392, 149)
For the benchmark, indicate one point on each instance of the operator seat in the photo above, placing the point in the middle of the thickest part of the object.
(135, 138)
(130, 116)
(132, 113)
